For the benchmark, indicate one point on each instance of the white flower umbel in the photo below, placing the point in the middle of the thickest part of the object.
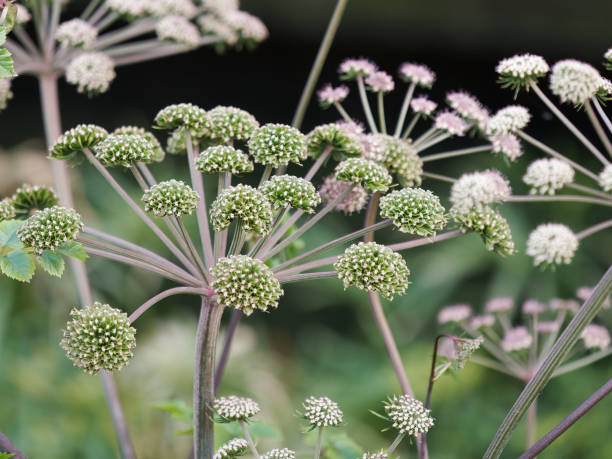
(211, 25)
(418, 74)
(547, 175)
(162, 8)
(508, 144)
(249, 27)
(451, 123)
(76, 33)
(380, 82)
(521, 70)
(322, 412)
(408, 415)
(455, 313)
(533, 307)
(234, 408)
(236, 447)
(516, 339)
(329, 95)
(277, 453)
(508, 119)
(552, 244)
(468, 107)
(178, 29)
(478, 188)
(130, 9)
(574, 81)
(595, 336)
(92, 73)
(482, 321)
(352, 68)
(605, 178)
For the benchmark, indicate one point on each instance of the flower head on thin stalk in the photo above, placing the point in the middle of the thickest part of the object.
(608, 59)
(7, 209)
(507, 144)
(157, 153)
(547, 326)
(289, 191)
(354, 201)
(414, 211)
(491, 225)
(124, 150)
(162, 8)
(547, 175)
(464, 349)
(560, 304)
(423, 105)
(419, 74)
(176, 143)
(328, 95)
(177, 29)
(364, 172)
(170, 198)
(223, 158)
(236, 447)
(231, 123)
(322, 412)
(30, 198)
(521, 70)
(234, 408)
(455, 313)
(277, 453)
(91, 72)
(605, 178)
(373, 267)
(245, 283)
(501, 304)
(397, 155)
(214, 26)
(380, 81)
(5, 92)
(468, 107)
(277, 145)
(23, 15)
(552, 244)
(350, 69)
(76, 140)
(76, 33)
(49, 228)
(482, 321)
(595, 336)
(479, 188)
(584, 293)
(99, 338)
(342, 142)
(249, 28)
(451, 123)
(244, 203)
(516, 339)
(574, 81)
(408, 415)
(508, 119)
(533, 307)
(129, 10)
(186, 116)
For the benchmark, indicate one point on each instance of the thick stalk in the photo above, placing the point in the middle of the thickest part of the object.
(599, 130)
(451, 154)
(276, 235)
(317, 452)
(204, 379)
(194, 252)
(307, 276)
(227, 344)
(366, 104)
(317, 66)
(584, 361)
(431, 142)
(586, 189)
(532, 423)
(249, 440)
(557, 354)
(404, 110)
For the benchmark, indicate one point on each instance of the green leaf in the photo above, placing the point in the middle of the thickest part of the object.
(51, 263)
(177, 409)
(342, 446)
(73, 249)
(6, 455)
(8, 234)
(10, 15)
(7, 69)
(18, 265)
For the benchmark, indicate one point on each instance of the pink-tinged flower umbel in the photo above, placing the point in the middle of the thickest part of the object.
(418, 74)
(350, 69)
(451, 123)
(329, 95)
(380, 82)
(423, 105)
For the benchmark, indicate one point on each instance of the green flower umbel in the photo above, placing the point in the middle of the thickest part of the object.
(245, 283)
(277, 145)
(231, 123)
(364, 172)
(414, 211)
(343, 144)
(76, 140)
(244, 203)
(186, 116)
(491, 225)
(374, 268)
(7, 210)
(49, 228)
(289, 191)
(124, 150)
(99, 338)
(223, 158)
(170, 198)
(322, 412)
(28, 199)
(157, 154)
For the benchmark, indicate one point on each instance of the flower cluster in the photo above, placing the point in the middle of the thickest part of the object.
(223, 158)
(455, 313)
(364, 172)
(276, 453)
(397, 155)
(521, 70)
(329, 95)
(235, 408)
(605, 178)
(91, 72)
(49, 228)
(322, 412)
(491, 225)
(7, 210)
(76, 33)
(28, 199)
(76, 140)
(508, 144)
(170, 198)
(595, 336)
(414, 211)
(451, 123)
(408, 415)
(289, 191)
(333, 137)
(245, 203)
(123, 150)
(351, 69)
(423, 106)
(574, 81)
(552, 244)
(476, 189)
(508, 119)
(380, 82)
(277, 145)
(353, 201)
(418, 74)
(99, 338)
(157, 152)
(187, 116)
(178, 29)
(231, 123)
(516, 339)
(236, 447)
(468, 107)
(547, 175)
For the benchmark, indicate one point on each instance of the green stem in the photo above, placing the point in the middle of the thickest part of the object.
(532, 423)
(594, 229)
(411, 126)
(345, 116)
(579, 363)
(453, 153)
(381, 112)
(404, 110)
(317, 452)
(599, 130)
(395, 444)
(559, 198)
(366, 104)
(249, 440)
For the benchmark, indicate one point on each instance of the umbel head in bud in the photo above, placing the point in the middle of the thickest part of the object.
(186, 116)
(322, 412)
(398, 156)
(364, 172)
(234, 408)
(76, 140)
(124, 150)
(223, 158)
(289, 191)
(277, 453)
(170, 198)
(99, 337)
(91, 72)
(490, 224)
(277, 145)
(244, 203)
(231, 123)
(236, 447)
(30, 198)
(7, 210)
(374, 268)
(408, 415)
(552, 244)
(414, 211)
(49, 228)
(245, 283)
(157, 153)
(521, 70)
(335, 138)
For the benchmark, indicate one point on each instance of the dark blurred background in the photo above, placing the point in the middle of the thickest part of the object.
(321, 340)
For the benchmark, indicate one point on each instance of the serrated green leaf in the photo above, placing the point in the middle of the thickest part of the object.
(73, 249)
(52, 263)
(10, 15)
(7, 69)
(18, 265)
(8, 234)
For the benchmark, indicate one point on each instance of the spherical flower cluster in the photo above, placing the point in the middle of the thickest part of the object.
(329, 95)
(170, 198)
(365, 172)
(584, 293)
(451, 123)
(350, 69)
(177, 28)
(220, 7)
(468, 107)
(289, 191)
(176, 143)
(508, 119)
(236, 447)
(455, 313)
(249, 27)
(49, 228)
(418, 74)
(235, 408)
(547, 326)
(508, 144)
(322, 412)
(397, 155)
(479, 188)
(223, 158)
(211, 24)
(380, 82)
(245, 283)
(533, 307)
(516, 339)
(76, 140)
(560, 304)
(187, 116)
(574, 81)
(244, 203)
(163, 8)
(408, 415)
(28, 199)
(491, 225)
(231, 123)
(414, 211)
(277, 145)
(157, 153)
(99, 337)
(354, 201)
(502, 304)
(374, 268)
(131, 10)
(552, 244)
(76, 33)
(276, 453)
(423, 105)
(92, 72)
(123, 150)
(521, 70)
(605, 178)
(5, 92)
(595, 336)
(335, 137)
(7, 210)
(482, 321)
(547, 175)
